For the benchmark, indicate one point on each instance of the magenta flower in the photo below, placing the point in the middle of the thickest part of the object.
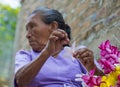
(109, 55)
(109, 61)
(106, 66)
(92, 80)
(118, 83)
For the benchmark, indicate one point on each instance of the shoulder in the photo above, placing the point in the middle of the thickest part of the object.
(22, 58)
(23, 54)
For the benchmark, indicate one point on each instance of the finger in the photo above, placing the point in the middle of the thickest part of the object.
(84, 52)
(83, 62)
(56, 35)
(88, 59)
(62, 31)
(76, 55)
(87, 53)
(53, 38)
(59, 33)
(80, 51)
(58, 44)
(65, 42)
(65, 36)
(65, 39)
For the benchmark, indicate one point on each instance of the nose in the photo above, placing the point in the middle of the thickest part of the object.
(28, 35)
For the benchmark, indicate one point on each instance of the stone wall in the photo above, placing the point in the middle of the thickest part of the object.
(92, 21)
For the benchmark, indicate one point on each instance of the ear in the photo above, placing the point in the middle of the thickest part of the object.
(54, 25)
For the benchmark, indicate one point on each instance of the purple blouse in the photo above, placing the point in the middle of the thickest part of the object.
(56, 72)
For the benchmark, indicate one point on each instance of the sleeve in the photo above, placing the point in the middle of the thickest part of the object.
(22, 58)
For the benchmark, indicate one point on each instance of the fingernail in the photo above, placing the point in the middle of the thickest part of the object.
(63, 35)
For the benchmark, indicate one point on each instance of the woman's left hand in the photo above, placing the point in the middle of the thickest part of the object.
(86, 57)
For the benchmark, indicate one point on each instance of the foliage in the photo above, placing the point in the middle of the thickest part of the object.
(8, 18)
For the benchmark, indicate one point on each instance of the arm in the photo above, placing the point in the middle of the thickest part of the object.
(29, 71)
(55, 43)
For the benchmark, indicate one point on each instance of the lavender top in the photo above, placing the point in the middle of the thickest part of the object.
(56, 72)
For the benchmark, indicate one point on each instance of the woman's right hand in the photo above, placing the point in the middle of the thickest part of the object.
(57, 39)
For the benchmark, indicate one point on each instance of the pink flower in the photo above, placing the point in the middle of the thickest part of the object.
(109, 60)
(109, 55)
(106, 66)
(118, 83)
(92, 80)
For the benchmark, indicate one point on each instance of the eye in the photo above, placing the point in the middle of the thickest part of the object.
(31, 26)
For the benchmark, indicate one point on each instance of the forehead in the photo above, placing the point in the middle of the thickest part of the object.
(33, 18)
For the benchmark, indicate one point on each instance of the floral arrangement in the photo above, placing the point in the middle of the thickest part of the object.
(110, 64)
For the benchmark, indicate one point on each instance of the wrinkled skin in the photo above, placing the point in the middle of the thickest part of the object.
(86, 57)
(49, 37)
(43, 36)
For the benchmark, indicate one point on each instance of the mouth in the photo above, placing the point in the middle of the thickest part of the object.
(31, 42)
(36, 46)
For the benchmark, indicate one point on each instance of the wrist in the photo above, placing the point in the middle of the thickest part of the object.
(46, 52)
(98, 72)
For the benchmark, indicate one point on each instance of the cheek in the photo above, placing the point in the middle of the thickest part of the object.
(42, 35)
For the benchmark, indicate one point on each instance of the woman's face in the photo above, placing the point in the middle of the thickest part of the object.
(37, 32)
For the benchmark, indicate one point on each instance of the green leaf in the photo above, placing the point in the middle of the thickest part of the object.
(8, 19)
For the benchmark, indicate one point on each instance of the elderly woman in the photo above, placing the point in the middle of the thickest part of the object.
(45, 65)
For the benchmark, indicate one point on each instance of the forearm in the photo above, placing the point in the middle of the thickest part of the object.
(29, 71)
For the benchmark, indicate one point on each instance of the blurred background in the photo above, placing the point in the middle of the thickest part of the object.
(9, 10)
(91, 21)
